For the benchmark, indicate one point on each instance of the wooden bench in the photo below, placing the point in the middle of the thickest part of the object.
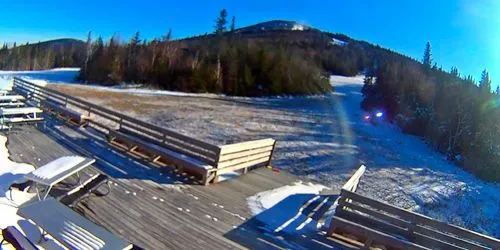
(64, 113)
(90, 188)
(364, 222)
(187, 161)
(206, 161)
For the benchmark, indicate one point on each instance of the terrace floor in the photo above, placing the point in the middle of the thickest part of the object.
(156, 208)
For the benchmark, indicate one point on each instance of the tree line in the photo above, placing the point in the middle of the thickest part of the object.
(456, 115)
(44, 55)
(221, 62)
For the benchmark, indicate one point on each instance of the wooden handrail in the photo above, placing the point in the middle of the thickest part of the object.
(236, 155)
(105, 112)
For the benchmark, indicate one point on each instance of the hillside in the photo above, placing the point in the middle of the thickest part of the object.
(57, 53)
(269, 58)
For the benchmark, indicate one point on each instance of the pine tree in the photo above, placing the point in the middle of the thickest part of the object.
(233, 21)
(221, 22)
(485, 83)
(168, 36)
(427, 60)
(497, 91)
(454, 71)
(88, 54)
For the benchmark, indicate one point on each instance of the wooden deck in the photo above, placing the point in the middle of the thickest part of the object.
(156, 208)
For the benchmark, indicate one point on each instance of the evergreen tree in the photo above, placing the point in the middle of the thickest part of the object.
(233, 21)
(497, 91)
(427, 59)
(168, 36)
(485, 83)
(221, 22)
(454, 71)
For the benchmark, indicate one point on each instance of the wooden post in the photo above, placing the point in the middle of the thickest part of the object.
(272, 153)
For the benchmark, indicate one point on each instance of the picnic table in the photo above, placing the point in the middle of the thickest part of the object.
(4, 92)
(20, 111)
(69, 228)
(19, 115)
(56, 171)
(11, 98)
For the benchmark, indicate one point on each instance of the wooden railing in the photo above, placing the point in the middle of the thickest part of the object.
(119, 120)
(224, 158)
(374, 222)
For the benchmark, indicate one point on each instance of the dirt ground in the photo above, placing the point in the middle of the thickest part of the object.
(311, 142)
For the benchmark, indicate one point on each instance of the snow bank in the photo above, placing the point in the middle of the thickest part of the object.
(282, 209)
(338, 42)
(42, 77)
(10, 172)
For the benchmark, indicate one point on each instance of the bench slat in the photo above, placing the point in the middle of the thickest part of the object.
(424, 220)
(237, 147)
(242, 165)
(248, 158)
(232, 156)
(377, 236)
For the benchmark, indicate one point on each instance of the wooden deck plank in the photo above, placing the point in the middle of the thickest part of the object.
(141, 219)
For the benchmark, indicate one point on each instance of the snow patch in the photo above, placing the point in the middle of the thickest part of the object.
(268, 199)
(338, 42)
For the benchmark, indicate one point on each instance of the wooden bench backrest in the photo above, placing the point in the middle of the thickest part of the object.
(414, 227)
(245, 154)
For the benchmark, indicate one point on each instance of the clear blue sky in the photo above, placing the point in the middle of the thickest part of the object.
(463, 33)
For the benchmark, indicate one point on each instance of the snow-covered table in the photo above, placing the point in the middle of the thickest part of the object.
(11, 98)
(9, 116)
(69, 228)
(56, 171)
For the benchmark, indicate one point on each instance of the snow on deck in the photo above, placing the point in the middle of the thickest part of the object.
(12, 172)
(282, 209)
(324, 138)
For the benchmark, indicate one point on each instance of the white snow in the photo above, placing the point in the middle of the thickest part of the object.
(58, 166)
(228, 176)
(41, 77)
(324, 138)
(281, 209)
(402, 170)
(270, 198)
(11, 172)
(338, 42)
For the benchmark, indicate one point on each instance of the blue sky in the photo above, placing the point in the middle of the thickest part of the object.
(463, 33)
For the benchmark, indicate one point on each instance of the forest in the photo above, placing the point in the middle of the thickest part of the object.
(42, 55)
(225, 61)
(455, 115)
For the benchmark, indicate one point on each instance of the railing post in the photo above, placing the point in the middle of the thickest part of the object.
(271, 156)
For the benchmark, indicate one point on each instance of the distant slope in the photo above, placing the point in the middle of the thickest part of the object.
(274, 25)
(65, 52)
(58, 43)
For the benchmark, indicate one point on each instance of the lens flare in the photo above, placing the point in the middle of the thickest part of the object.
(379, 114)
